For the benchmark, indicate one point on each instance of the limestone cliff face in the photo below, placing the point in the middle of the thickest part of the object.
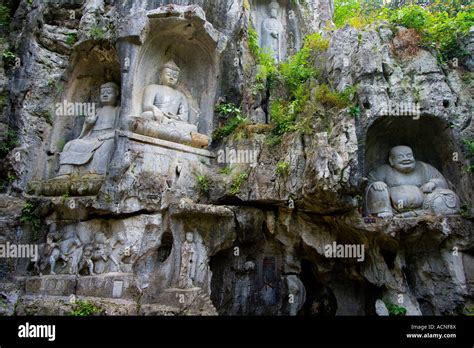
(260, 227)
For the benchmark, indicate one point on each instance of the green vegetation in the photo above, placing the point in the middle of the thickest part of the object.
(202, 184)
(71, 39)
(263, 58)
(60, 145)
(300, 67)
(396, 310)
(246, 5)
(97, 33)
(225, 171)
(9, 58)
(355, 111)
(55, 84)
(470, 146)
(30, 217)
(331, 99)
(86, 309)
(10, 141)
(237, 183)
(3, 100)
(4, 17)
(470, 153)
(234, 119)
(46, 114)
(295, 75)
(466, 211)
(410, 16)
(441, 24)
(283, 169)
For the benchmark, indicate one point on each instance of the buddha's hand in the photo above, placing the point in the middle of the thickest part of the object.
(158, 114)
(91, 119)
(170, 116)
(380, 186)
(428, 187)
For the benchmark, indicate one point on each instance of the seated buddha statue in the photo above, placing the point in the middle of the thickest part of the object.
(84, 161)
(166, 111)
(90, 153)
(409, 188)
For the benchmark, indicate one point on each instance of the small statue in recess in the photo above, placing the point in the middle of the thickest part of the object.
(272, 31)
(187, 269)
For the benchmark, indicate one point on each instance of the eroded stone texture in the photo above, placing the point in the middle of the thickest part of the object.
(167, 231)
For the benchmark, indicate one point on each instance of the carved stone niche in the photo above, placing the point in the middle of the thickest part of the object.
(182, 282)
(432, 142)
(175, 75)
(95, 258)
(79, 146)
(277, 23)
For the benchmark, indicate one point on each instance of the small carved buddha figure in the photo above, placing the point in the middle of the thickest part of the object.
(90, 153)
(408, 187)
(272, 30)
(187, 269)
(166, 113)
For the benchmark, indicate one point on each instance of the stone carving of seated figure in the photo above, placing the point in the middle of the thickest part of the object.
(409, 188)
(90, 153)
(166, 112)
(83, 161)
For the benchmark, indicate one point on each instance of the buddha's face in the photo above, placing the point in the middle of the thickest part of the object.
(273, 13)
(189, 237)
(127, 252)
(402, 159)
(169, 77)
(108, 96)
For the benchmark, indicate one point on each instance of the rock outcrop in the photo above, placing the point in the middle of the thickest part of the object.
(241, 227)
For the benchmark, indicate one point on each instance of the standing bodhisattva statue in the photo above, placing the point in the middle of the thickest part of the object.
(272, 31)
(188, 265)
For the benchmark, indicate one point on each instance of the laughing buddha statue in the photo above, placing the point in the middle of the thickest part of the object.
(408, 188)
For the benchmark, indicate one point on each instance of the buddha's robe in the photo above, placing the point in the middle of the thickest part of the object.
(91, 152)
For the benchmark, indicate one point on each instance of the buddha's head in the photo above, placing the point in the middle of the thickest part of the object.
(274, 7)
(109, 94)
(189, 237)
(127, 251)
(170, 74)
(50, 238)
(402, 159)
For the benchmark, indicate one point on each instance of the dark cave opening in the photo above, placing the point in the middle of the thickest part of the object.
(320, 300)
(389, 258)
(220, 294)
(164, 251)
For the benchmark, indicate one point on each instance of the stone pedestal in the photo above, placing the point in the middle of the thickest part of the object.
(51, 285)
(181, 302)
(111, 285)
(149, 172)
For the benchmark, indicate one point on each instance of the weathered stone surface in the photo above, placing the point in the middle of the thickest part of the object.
(381, 308)
(239, 227)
